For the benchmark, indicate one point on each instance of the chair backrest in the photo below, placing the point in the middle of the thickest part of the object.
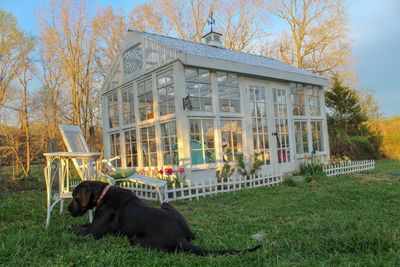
(73, 138)
(75, 142)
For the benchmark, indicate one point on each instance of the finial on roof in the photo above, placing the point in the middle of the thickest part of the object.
(211, 20)
(212, 38)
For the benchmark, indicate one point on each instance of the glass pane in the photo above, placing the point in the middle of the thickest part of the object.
(192, 89)
(76, 141)
(205, 90)
(222, 78)
(204, 76)
(171, 106)
(191, 74)
(233, 79)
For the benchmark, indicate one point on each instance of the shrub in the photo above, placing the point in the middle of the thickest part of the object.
(224, 172)
(313, 165)
(367, 147)
(312, 168)
(252, 166)
(356, 147)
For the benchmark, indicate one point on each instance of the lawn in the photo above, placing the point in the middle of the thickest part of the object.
(347, 220)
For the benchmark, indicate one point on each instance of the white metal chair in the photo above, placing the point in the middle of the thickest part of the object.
(58, 176)
(75, 142)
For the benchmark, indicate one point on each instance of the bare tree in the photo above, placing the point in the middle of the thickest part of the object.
(53, 82)
(11, 38)
(12, 142)
(185, 19)
(147, 17)
(110, 27)
(68, 31)
(242, 23)
(316, 39)
(24, 75)
(18, 139)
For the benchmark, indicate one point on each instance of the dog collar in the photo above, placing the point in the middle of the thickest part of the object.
(103, 194)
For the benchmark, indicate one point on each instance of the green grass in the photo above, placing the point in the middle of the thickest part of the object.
(343, 221)
(34, 182)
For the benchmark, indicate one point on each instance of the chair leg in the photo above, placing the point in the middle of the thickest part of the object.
(90, 216)
(164, 192)
(159, 194)
(48, 210)
(61, 205)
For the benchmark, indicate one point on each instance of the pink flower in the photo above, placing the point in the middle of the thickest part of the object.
(181, 170)
(168, 171)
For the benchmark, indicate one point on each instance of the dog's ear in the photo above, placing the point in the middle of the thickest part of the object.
(83, 195)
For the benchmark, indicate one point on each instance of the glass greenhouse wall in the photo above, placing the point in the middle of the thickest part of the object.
(232, 115)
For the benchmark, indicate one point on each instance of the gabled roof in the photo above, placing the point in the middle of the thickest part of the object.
(204, 50)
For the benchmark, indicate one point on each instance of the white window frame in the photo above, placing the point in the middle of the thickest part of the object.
(197, 84)
(231, 88)
(113, 110)
(145, 94)
(203, 144)
(297, 94)
(168, 87)
(319, 135)
(147, 154)
(128, 105)
(234, 150)
(314, 101)
(303, 126)
(132, 133)
(172, 137)
(115, 146)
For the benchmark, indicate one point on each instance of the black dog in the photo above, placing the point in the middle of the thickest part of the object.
(119, 211)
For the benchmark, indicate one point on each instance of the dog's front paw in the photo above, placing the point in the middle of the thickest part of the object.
(76, 229)
(70, 228)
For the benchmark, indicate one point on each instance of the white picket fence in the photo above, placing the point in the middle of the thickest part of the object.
(349, 167)
(205, 188)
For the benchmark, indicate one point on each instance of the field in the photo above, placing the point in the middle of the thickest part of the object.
(347, 220)
(389, 129)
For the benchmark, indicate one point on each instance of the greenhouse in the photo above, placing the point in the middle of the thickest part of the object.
(171, 102)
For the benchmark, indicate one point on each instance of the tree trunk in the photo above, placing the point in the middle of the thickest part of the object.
(27, 134)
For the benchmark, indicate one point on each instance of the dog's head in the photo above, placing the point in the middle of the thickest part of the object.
(85, 197)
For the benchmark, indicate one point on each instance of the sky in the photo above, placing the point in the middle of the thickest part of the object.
(374, 28)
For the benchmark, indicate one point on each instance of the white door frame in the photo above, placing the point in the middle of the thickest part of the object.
(274, 167)
(288, 165)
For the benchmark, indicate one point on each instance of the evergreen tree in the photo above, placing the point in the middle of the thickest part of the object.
(349, 133)
(345, 110)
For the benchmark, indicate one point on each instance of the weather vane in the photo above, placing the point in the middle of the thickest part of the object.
(211, 20)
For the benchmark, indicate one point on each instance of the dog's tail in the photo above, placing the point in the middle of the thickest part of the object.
(186, 246)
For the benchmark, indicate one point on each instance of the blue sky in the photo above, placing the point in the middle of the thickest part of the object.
(374, 29)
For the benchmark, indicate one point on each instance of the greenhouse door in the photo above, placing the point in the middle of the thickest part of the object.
(269, 121)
